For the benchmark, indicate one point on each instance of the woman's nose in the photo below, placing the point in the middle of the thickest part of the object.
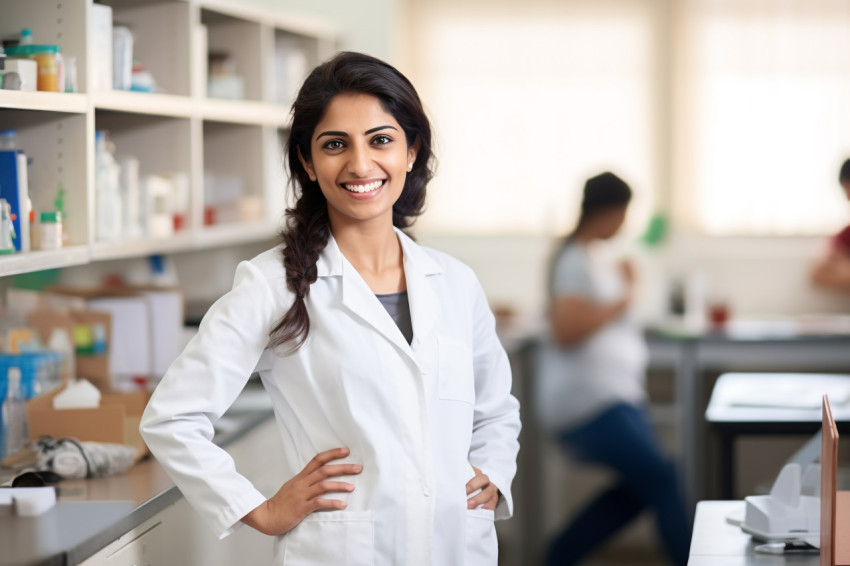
(360, 161)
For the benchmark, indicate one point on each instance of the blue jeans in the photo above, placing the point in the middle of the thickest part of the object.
(622, 439)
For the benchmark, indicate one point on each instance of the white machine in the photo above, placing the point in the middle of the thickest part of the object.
(786, 515)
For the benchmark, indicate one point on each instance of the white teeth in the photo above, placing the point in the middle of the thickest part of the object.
(364, 188)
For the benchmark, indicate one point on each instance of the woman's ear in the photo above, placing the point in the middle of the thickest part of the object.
(306, 165)
(412, 152)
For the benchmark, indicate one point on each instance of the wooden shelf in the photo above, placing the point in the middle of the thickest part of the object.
(145, 103)
(235, 233)
(120, 249)
(177, 134)
(41, 260)
(69, 103)
(245, 112)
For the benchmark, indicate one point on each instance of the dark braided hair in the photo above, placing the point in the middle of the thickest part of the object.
(307, 228)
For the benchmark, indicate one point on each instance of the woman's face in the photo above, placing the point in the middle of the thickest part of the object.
(610, 221)
(360, 159)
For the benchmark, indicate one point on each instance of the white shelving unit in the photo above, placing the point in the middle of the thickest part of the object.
(178, 129)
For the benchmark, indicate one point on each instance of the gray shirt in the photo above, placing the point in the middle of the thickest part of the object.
(398, 308)
(578, 382)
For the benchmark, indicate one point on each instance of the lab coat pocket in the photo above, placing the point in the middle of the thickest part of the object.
(332, 537)
(482, 549)
(456, 376)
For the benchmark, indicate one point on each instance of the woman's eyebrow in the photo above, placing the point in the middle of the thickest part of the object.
(379, 128)
(366, 133)
(332, 133)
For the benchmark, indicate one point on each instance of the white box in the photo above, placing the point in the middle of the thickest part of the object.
(100, 75)
(130, 353)
(122, 58)
(27, 71)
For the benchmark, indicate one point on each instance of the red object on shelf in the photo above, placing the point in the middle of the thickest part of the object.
(718, 314)
(209, 216)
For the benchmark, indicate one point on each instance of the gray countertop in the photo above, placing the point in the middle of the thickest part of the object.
(90, 514)
(717, 542)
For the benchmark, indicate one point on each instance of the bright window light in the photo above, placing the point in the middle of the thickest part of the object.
(526, 107)
(767, 118)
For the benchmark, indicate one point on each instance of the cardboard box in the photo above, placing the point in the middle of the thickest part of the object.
(116, 420)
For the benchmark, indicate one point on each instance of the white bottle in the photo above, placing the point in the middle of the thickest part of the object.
(60, 341)
(107, 191)
(14, 414)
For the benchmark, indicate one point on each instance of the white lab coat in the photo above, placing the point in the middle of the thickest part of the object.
(416, 416)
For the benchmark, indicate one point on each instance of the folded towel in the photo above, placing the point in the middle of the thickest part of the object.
(73, 459)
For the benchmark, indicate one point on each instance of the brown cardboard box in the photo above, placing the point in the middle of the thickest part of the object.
(116, 420)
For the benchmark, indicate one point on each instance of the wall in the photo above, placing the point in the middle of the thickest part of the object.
(756, 276)
(368, 26)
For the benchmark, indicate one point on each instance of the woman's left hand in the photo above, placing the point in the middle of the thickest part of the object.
(489, 494)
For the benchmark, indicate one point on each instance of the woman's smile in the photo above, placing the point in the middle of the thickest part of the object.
(363, 188)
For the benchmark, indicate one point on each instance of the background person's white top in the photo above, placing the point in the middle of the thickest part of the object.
(576, 383)
(414, 415)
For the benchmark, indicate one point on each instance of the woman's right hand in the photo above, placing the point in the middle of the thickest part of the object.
(302, 495)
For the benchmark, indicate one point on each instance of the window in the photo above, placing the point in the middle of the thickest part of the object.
(527, 104)
(732, 115)
(765, 124)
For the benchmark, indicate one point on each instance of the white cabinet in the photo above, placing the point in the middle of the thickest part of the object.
(211, 144)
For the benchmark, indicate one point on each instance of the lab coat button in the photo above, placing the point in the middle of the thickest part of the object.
(427, 490)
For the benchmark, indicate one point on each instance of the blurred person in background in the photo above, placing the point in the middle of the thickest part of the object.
(592, 396)
(832, 271)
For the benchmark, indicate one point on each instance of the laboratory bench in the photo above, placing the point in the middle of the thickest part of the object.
(717, 542)
(140, 516)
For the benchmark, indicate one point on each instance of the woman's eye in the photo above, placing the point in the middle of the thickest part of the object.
(334, 144)
(381, 140)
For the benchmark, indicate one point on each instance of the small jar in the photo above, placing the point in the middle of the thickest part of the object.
(49, 61)
(50, 230)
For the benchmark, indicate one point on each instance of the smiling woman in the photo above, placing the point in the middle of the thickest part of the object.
(389, 384)
(361, 167)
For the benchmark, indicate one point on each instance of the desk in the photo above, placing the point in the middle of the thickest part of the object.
(751, 349)
(771, 403)
(718, 543)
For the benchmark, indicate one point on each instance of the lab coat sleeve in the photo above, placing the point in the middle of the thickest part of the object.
(496, 424)
(197, 389)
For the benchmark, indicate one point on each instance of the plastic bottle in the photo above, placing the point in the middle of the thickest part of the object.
(60, 341)
(107, 191)
(50, 230)
(4, 387)
(71, 82)
(14, 414)
(26, 37)
(8, 140)
(59, 205)
(7, 229)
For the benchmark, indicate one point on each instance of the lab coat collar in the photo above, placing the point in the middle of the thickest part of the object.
(331, 260)
(359, 298)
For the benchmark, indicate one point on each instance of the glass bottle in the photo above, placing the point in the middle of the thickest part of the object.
(14, 414)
